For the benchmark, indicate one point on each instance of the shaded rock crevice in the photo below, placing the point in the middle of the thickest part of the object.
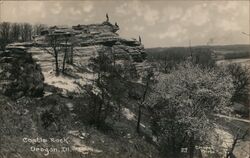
(19, 74)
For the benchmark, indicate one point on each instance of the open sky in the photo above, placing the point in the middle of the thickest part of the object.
(160, 23)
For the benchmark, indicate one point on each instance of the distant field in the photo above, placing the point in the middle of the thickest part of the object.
(245, 62)
(220, 52)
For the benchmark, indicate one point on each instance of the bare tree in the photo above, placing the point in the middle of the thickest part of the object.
(72, 43)
(71, 54)
(4, 34)
(26, 32)
(240, 135)
(67, 49)
(38, 28)
(56, 43)
(15, 32)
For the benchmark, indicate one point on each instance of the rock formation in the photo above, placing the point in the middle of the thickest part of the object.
(104, 34)
(19, 75)
(87, 42)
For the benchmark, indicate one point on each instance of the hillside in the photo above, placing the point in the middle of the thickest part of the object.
(31, 123)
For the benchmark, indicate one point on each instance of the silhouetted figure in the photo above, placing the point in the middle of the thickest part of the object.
(107, 17)
(116, 24)
(140, 39)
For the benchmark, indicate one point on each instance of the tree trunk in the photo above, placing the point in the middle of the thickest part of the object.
(235, 141)
(65, 55)
(230, 152)
(56, 60)
(71, 55)
(64, 59)
(69, 59)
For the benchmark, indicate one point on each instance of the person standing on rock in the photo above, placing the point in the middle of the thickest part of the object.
(107, 17)
(116, 24)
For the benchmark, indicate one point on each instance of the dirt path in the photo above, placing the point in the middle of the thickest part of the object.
(232, 118)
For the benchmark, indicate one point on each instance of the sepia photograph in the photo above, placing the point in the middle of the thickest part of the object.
(124, 79)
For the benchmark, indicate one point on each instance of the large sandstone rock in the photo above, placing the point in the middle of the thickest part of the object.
(97, 28)
(97, 35)
(105, 34)
(19, 75)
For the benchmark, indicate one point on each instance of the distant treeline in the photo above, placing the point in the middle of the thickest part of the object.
(237, 55)
(175, 53)
(233, 48)
(18, 32)
(169, 57)
(179, 53)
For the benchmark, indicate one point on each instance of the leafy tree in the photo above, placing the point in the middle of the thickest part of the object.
(109, 87)
(183, 103)
(241, 81)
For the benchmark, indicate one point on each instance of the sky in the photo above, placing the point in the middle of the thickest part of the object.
(160, 23)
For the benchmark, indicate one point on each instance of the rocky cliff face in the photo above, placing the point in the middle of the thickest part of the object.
(105, 34)
(19, 75)
(99, 35)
